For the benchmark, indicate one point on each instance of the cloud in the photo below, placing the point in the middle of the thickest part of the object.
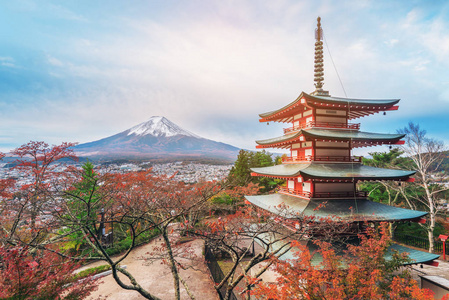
(210, 67)
(7, 62)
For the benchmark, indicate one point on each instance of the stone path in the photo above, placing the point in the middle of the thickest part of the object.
(156, 277)
(442, 270)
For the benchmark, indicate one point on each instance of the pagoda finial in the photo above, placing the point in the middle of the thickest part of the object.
(319, 66)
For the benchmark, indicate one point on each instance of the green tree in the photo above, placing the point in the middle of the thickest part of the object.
(384, 191)
(240, 174)
(84, 203)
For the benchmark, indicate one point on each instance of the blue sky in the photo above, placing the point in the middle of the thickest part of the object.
(79, 71)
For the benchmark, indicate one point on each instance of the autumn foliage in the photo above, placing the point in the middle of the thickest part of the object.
(23, 276)
(78, 214)
(359, 272)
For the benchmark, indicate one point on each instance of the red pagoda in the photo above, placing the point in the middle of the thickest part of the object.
(320, 171)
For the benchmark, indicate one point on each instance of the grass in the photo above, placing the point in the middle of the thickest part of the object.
(92, 271)
(225, 266)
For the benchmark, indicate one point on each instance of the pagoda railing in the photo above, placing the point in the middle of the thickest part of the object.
(321, 158)
(285, 190)
(332, 125)
(339, 194)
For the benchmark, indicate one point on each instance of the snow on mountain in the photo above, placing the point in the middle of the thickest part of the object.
(159, 126)
(157, 139)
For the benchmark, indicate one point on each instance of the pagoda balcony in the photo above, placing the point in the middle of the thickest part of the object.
(284, 190)
(357, 194)
(309, 158)
(327, 125)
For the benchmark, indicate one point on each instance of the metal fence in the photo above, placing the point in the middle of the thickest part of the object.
(420, 242)
(217, 273)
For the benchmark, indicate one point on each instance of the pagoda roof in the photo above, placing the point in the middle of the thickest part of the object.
(332, 171)
(358, 138)
(291, 207)
(416, 256)
(356, 107)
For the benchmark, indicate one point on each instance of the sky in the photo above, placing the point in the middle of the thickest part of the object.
(79, 71)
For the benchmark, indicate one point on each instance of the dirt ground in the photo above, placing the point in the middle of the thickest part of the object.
(156, 277)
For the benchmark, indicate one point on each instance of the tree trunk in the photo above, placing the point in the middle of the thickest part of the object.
(432, 216)
(172, 263)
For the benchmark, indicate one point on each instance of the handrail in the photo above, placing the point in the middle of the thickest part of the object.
(294, 192)
(285, 190)
(339, 194)
(334, 125)
(321, 158)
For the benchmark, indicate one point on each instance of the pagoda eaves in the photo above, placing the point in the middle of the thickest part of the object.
(291, 207)
(356, 108)
(357, 138)
(332, 172)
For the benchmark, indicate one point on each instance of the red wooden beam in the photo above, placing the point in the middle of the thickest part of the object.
(395, 107)
(411, 179)
(421, 221)
(432, 263)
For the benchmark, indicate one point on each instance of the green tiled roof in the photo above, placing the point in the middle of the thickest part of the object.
(354, 101)
(289, 207)
(287, 170)
(416, 256)
(336, 100)
(351, 134)
(334, 135)
(333, 171)
(279, 139)
(280, 204)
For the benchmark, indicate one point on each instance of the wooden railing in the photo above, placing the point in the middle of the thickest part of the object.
(285, 190)
(333, 125)
(322, 158)
(339, 194)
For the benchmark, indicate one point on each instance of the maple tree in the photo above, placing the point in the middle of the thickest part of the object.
(37, 165)
(136, 203)
(5, 184)
(252, 239)
(25, 273)
(6, 188)
(23, 276)
(65, 210)
(362, 271)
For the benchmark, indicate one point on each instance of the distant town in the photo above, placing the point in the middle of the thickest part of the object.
(187, 172)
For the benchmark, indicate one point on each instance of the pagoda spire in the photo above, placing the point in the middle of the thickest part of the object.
(319, 66)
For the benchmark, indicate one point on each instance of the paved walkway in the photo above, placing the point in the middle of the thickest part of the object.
(156, 277)
(442, 270)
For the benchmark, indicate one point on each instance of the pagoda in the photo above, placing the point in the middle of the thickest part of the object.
(321, 174)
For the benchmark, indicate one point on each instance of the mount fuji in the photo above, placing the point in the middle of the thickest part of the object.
(157, 139)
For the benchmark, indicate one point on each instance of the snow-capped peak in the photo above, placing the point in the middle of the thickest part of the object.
(159, 126)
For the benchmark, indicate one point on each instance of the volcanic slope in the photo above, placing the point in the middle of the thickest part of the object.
(157, 139)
